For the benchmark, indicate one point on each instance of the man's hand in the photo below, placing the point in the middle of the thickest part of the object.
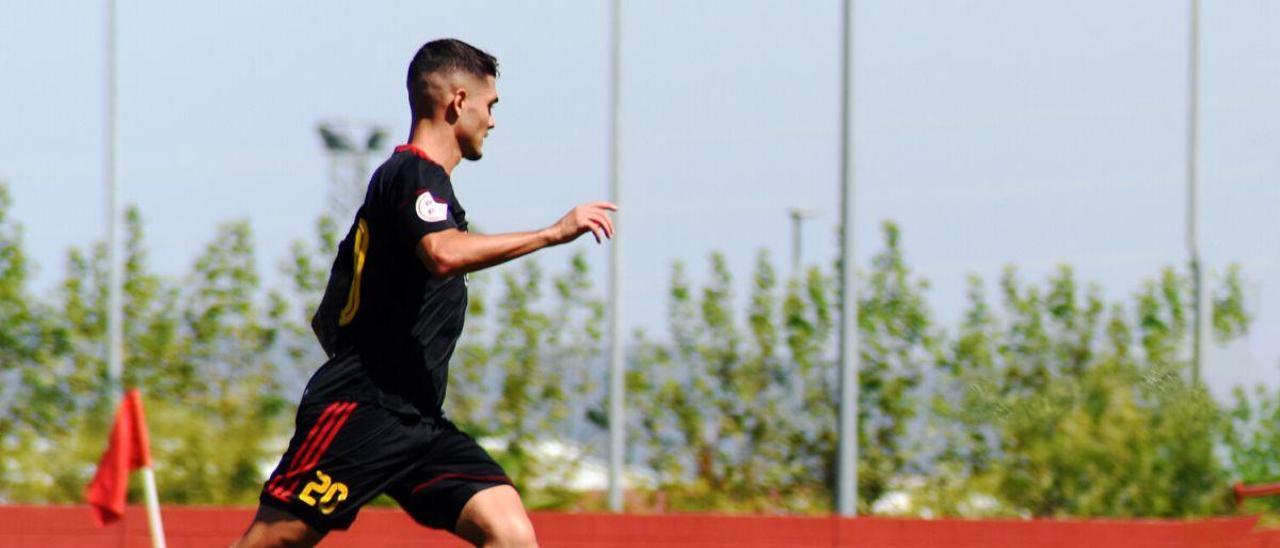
(592, 217)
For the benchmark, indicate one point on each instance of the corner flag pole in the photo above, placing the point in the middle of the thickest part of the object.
(154, 525)
(617, 365)
(847, 460)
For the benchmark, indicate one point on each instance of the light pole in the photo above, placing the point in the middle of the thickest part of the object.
(340, 140)
(115, 268)
(798, 217)
(847, 458)
(617, 365)
(1200, 329)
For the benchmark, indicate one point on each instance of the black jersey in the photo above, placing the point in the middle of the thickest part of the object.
(381, 302)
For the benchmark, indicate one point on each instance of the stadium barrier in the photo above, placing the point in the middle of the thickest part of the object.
(191, 527)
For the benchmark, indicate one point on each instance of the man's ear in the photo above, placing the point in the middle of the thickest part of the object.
(459, 97)
(453, 108)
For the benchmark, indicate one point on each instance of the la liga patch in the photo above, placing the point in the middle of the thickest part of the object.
(430, 210)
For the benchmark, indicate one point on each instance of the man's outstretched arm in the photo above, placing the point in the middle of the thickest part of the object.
(452, 252)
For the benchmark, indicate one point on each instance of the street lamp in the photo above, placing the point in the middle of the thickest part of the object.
(798, 217)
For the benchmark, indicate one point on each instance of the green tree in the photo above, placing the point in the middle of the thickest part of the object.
(228, 381)
(201, 354)
(897, 342)
(31, 395)
(1062, 405)
(1253, 437)
(735, 418)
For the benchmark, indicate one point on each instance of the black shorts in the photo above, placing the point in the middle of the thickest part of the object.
(345, 453)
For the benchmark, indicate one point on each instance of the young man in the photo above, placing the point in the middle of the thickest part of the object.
(370, 420)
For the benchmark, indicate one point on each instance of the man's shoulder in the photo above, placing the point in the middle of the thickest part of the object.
(403, 175)
(411, 161)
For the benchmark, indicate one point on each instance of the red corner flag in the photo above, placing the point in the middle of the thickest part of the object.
(127, 450)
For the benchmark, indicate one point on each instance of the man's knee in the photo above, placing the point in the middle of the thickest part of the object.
(510, 531)
(495, 517)
(271, 528)
(277, 534)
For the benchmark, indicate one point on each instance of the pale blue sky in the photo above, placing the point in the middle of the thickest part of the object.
(995, 132)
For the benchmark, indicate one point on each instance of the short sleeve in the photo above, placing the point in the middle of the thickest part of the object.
(427, 203)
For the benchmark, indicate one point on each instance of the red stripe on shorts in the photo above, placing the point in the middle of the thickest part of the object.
(339, 418)
(490, 479)
(313, 436)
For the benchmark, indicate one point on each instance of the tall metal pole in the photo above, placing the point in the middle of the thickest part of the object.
(617, 390)
(115, 272)
(1200, 330)
(847, 474)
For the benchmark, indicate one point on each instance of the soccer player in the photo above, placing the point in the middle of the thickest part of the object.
(370, 420)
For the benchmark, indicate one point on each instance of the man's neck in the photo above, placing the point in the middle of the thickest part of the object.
(437, 140)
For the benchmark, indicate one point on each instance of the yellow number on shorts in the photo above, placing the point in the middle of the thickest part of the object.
(359, 250)
(320, 486)
(336, 493)
(332, 493)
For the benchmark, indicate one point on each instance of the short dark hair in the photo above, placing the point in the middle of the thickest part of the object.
(446, 55)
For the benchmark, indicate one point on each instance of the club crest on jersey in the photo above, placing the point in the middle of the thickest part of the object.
(429, 209)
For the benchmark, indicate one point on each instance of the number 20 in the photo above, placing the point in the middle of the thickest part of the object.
(332, 493)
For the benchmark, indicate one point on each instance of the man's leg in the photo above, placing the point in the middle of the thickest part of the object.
(496, 517)
(272, 527)
(458, 487)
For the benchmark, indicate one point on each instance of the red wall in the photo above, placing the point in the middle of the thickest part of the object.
(68, 526)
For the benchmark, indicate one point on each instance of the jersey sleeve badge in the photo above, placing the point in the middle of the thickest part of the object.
(429, 209)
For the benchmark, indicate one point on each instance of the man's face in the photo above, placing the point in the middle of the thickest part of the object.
(475, 116)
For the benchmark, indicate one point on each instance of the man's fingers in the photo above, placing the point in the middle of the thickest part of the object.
(602, 220)
(605, 205)
(608, 223)
(601, 223)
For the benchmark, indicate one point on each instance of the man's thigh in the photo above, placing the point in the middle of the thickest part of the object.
(446, 477)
